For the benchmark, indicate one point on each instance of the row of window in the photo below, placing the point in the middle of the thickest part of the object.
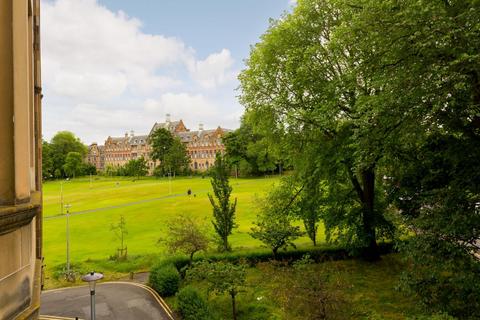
(204, 154)
(205, 144)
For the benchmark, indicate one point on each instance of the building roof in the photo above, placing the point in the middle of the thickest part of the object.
(169, 125)
(200, 134)
(136, 140)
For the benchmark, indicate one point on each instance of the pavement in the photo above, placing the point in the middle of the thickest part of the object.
(113, 300)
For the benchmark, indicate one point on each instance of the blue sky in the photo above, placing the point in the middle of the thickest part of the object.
(111, 66)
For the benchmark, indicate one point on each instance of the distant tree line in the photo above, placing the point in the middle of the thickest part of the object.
(64, 156)
(133, 168)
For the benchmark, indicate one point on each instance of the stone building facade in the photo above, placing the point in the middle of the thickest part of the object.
(96, 155)
(202, 146)
(20, 161)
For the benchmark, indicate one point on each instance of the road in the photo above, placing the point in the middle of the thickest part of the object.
(113, 300)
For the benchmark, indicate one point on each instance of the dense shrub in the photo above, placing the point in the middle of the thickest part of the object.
(165, 279)
(191, 305)
(317, 254)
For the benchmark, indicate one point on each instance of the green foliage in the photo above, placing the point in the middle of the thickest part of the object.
(221, 277)
(428, 78)
(302, 90)
(186, 235)
(303, 289)
(88, 169)
(48, 168)
(384, 89)
(277, 213)
(136, 168)
(248, 153)
(165, 279)
(73, 164)
(55, 152)
(161, 141)
(191, 305)
(176, 160)
(223, 210)
(439, 198)
(171, 153)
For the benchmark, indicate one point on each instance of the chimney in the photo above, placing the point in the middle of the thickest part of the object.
(200, 127)
(167, 118)
(132, 133)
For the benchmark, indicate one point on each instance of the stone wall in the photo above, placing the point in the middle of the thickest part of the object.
(20, 161)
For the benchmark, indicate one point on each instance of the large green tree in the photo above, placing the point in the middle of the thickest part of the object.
(170, 151)
(161, 141)
(54, 153)
(73, 164)
(177, 160)
(136, 168)
(427, 73)
(367, 89)
(250, 153)
(301, 86)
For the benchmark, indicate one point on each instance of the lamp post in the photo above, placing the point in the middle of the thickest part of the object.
(92, 278)
(67, 207)
(170, 180)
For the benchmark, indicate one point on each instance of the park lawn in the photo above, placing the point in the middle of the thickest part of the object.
(91, 238)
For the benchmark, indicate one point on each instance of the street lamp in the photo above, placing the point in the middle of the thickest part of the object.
(67, 207)
(92, 278)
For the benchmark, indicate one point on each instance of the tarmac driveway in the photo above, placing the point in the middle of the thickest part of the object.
(113, 300)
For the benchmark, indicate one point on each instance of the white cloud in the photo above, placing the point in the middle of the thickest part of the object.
(90, 86)
(85, 45)
(103, 75)
(215, 70)
(191, 108)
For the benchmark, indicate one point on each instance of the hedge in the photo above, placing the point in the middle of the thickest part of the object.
(165, 279)
(191, 305)
(318, 254)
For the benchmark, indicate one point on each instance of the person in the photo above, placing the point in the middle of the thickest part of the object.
(189, 192)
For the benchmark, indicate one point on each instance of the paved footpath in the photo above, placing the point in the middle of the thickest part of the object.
(113, 300)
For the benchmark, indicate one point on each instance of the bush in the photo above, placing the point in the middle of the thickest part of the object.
(191, 305)
(165, 279)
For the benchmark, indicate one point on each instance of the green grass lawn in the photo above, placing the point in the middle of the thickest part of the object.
(90, 234)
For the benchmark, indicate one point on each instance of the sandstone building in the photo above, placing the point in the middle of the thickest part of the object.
(96, 155)
(202, 146)
(20, 161)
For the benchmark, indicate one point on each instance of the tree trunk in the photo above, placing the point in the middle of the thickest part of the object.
(370, 252)
(366, 194)
(234, 307)
(191, 258)
(226, 247)
(274, 250)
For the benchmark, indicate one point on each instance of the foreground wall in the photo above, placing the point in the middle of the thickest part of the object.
(20, 160)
